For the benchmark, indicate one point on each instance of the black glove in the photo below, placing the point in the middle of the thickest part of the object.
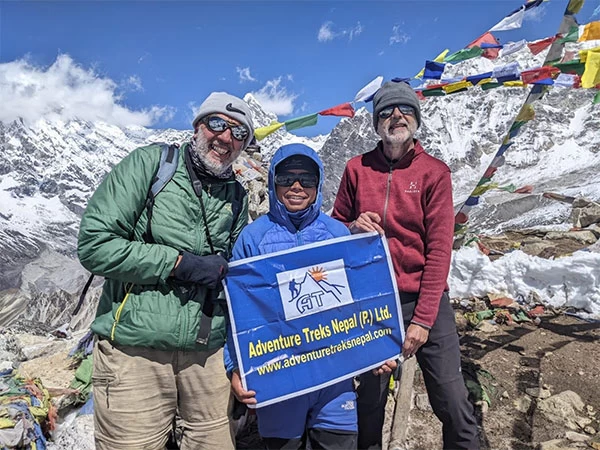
(208, 270)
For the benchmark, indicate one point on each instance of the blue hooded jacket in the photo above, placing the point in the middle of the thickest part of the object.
(275, 231)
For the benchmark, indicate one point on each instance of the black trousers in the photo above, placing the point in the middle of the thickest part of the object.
(439, 359)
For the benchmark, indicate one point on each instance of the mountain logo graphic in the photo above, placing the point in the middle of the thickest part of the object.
(315, 288)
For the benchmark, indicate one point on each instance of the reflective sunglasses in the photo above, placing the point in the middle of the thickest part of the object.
(218, 125)
(307, 180)
(404, 109)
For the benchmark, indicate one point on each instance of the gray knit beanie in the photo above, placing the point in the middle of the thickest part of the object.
(234, 107)
(393, 93)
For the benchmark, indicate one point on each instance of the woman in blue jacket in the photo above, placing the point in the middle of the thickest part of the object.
(324, 417)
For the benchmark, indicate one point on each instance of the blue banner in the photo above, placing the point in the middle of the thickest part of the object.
(311, 316)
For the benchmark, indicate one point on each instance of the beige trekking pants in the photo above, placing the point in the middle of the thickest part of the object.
(138, 391)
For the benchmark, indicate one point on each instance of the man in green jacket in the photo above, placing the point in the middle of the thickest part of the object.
(160, 324)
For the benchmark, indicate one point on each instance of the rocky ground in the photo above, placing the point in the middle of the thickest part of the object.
(542, 382)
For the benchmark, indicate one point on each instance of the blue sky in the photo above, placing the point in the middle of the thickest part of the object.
(152, 62)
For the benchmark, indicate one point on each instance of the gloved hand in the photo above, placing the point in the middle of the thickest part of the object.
(207, 270)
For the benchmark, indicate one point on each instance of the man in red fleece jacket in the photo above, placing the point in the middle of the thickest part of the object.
(405, 194)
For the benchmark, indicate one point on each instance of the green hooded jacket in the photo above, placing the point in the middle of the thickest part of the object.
(140, 304)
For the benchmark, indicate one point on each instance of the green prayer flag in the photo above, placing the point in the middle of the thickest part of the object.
(301, 122)
(488, 86)
(438, 92)
(596, 98)
(464, 54)
(575, 66)
(571, 36)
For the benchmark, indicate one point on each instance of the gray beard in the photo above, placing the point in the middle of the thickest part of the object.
(200, 149)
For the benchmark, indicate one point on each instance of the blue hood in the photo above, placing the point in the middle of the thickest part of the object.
(276, 209)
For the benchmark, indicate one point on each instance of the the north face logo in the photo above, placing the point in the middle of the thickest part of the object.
(349, 405)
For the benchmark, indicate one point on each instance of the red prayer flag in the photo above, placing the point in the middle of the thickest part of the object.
(527, 189)
(461, 218)
(343, 110)
(489, 173)
(488, 38)
(537, 46)
(420, 95)
(436, 86)
(534, 75)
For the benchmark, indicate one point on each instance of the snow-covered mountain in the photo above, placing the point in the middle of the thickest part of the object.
(49, 169)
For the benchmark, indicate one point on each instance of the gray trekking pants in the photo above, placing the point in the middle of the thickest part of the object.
(439, 359)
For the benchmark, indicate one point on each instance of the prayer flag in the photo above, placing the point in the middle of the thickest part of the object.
(507, 71)
(512, 47)
(511, 22)
(526, 113)
(566, 80)
(538, 46)
(486, 38)
(591, 76)
(263, 132)
(541, 73)
(367, 92)
(433, 70)
(596, 99)
(460, 86)
(574, 6)
(571, 36)
(574, 67)
(301, 122)
(437, 92)
(438, 58)
(343, 110)
(475, 79)
(591, 31)
(464, 54)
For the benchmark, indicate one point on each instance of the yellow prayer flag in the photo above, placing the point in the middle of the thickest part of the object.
(584, 53)
(527, 113)
(516, 83)
(263, 132)
(439, 58)
(486, 81)
(574, 6)
(453, 87)
(480, 190)
(591, 75)
(590, 32)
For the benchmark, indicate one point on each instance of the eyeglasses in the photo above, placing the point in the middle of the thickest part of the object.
(407, 110)
(218, 125)
(287, 179)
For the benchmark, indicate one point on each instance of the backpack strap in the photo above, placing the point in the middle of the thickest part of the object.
(169, 159)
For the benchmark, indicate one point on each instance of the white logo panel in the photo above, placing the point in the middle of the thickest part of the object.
(312, 289)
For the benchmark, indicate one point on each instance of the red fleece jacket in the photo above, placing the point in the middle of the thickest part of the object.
(413, 197)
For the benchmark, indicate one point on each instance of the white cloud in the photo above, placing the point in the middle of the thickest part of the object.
(290, 77)
(354, 31)
(67, 91)
(327, 32)
(244, 74)
(133, 83)
(398, 36)
(275, 98)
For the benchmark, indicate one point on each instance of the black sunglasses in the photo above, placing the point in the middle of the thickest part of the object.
(407, 110)
(287, 179)
(218, 125)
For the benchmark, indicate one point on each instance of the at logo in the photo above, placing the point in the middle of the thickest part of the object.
(312, 289)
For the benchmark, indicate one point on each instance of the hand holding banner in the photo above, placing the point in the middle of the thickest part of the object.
(309, 317)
